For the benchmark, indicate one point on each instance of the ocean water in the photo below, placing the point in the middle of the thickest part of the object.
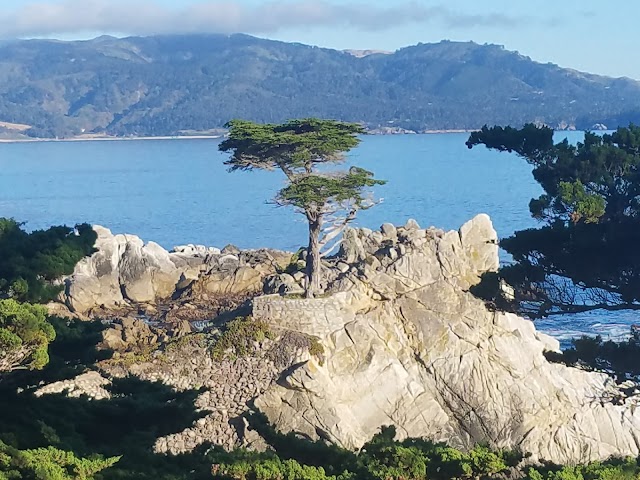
(176, 192)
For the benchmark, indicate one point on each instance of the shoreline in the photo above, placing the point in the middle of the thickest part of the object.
(193, 137)
(214, 137)
(109, 139)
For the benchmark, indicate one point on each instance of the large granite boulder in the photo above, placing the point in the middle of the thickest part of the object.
(405, 343)
(122, 270)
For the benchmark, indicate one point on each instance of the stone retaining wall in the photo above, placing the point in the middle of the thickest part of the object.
(312, 316)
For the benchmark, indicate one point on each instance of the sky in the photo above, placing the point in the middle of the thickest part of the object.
(589, 35)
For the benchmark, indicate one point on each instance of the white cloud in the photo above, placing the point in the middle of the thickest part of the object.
(144, 17)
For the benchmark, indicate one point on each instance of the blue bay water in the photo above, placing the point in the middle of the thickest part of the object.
(178, 191)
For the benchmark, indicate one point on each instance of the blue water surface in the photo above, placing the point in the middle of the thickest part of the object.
(178, 191)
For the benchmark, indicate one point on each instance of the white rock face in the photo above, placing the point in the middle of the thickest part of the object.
(122, 269)
(126, 270)
(406, 344)
(192, 249)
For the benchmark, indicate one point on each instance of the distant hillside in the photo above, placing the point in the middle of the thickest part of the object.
(165, 85)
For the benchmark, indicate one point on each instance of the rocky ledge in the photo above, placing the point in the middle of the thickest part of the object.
(402, 342)
(126, 272)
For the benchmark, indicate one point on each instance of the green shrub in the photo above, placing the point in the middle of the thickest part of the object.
(25, 334)
(485, 462)
(614, 469)
(31, 262)
(9, 341)
(272, 469)
(382, 458)
(49, 464)
(397, 462)
(238, 337)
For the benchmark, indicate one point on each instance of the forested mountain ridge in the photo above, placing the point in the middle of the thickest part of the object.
(166, 85)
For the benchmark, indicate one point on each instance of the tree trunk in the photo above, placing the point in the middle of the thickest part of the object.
(314, 266)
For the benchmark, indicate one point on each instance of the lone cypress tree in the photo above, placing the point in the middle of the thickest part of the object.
(328, 200)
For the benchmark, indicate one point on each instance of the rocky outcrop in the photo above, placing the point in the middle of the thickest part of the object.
(405, 343)
(128, 334)
(397, 339)
(124, 271)
(231, 385)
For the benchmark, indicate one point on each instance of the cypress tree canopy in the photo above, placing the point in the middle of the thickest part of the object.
(585, 255)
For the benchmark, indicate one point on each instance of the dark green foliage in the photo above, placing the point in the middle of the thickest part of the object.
(585, 257)
(49, 464)
(71, 353)
(162, 85)
(409, 463)
(318, 190)
(386, 458)
(604, 168)
(30, 265)
(615, 469)
(31, 262)
(126, 425)
(383, 458)
(54, 437)
(272, 469)
(294, 146)
(621, 359)
(531, 142)
(24, 336)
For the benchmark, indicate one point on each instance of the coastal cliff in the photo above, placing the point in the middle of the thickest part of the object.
(399, 340)
(406, 344)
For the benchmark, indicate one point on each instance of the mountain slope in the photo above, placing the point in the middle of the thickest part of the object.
(163, 85)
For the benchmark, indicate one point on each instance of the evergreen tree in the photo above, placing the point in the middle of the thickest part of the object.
(329, 200)
(585, 256)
